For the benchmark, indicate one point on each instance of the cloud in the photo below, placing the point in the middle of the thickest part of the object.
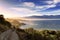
(27, 9)
(52, 13)
(31, 5)
(46, 6)
(49, 2)
(56, 1)
(41, 8)
(13, 11)
(52, 2)
(22, 10)
(8, 12)
(50, 6)
(28, 4)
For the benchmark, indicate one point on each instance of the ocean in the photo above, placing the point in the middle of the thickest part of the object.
(43, 24)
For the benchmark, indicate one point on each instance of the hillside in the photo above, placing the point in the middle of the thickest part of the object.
(4, 25)
(15, 22)
(9, 33)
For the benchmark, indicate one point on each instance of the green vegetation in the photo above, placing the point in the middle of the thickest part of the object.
(43, 35)
(30, 33)
(4, 25)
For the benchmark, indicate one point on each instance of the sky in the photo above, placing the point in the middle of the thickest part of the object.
(23, 8)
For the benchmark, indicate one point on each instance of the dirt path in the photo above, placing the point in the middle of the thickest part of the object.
(9, 35)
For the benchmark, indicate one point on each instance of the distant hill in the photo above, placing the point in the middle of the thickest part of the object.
(15, 22)
(44, 16)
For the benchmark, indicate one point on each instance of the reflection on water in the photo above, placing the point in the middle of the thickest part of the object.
(43, 24)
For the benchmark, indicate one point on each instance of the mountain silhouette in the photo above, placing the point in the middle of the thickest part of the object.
(44, 16)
